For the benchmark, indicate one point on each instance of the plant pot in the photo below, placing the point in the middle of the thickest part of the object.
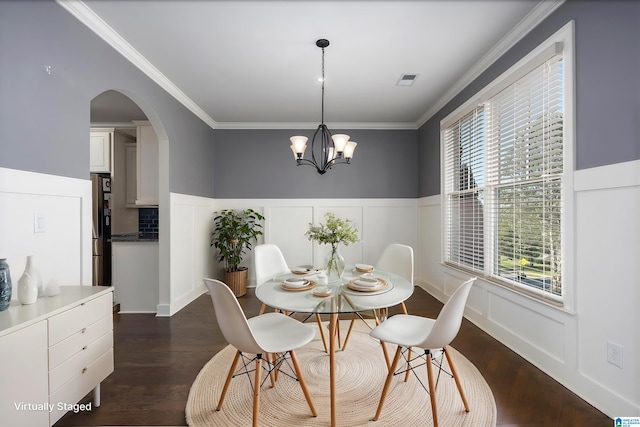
(237, 281)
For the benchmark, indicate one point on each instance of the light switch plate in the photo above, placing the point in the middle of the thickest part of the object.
(39, 223)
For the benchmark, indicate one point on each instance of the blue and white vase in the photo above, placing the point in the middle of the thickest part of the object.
(5, 285)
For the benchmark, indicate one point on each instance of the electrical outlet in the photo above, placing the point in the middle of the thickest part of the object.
(614, 354)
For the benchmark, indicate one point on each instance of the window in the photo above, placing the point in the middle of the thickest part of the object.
(503, 185)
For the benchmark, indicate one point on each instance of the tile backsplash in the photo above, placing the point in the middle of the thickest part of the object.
(148, 220)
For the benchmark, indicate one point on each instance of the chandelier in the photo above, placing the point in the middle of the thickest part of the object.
(332, 149)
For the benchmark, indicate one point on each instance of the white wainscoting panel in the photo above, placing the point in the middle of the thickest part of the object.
(190, 248)
(62, 252)
(286, 228)
(428, 263)
(539, 331)
(608, 281)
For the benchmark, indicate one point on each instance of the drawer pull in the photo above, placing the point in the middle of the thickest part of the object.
(84, 348)
(83, 330)
(84, 370)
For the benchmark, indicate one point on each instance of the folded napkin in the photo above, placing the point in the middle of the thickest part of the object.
(296, 282)
(364, 267)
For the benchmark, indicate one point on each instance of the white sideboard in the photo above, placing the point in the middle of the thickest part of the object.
(54, 352)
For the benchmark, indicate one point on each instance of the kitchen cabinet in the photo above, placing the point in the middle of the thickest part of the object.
(147, 165)
(101, 150)
(131, 171)
(135, 278)
(53, 353)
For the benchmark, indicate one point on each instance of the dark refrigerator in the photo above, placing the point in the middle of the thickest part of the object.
(101, 214)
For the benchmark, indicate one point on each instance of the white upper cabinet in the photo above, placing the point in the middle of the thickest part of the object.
(131, 174)
(101, 150)
(147, 164)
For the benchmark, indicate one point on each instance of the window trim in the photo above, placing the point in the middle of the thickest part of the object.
(565, 37)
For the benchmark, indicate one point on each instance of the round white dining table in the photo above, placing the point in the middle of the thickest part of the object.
(343, 299)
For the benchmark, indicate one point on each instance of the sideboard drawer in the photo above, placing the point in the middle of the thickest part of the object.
(77, 318)
(78, 364)
(73, 391)
(65, 349)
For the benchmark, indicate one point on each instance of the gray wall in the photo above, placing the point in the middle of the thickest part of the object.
(260, 164)
(44, 118)
(607, 90)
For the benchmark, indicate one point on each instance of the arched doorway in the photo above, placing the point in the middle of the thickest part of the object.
(131, 241)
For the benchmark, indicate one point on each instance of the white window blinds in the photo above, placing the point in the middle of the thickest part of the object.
(503, 165)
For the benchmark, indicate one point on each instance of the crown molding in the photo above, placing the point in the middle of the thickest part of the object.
(88, 17)
(121, 125)
(528, 23)
(314, 125)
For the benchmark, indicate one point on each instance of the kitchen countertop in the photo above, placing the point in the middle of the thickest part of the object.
(134, 237)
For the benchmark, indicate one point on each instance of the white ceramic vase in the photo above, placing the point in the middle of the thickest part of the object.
(35, 274)
(27, 289)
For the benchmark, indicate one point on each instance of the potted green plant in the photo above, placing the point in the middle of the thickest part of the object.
(234, 233)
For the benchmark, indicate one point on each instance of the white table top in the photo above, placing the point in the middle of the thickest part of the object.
(343, 299)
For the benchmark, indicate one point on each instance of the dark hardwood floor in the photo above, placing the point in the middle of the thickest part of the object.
(157, 359)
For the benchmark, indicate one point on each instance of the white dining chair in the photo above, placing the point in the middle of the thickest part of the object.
(429, 337)
(269, 262)
(397, 259)
(270, 333)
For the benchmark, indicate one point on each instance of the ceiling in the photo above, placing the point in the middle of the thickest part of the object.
(244, 64)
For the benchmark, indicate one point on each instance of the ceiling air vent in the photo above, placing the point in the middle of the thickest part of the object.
(407, 79)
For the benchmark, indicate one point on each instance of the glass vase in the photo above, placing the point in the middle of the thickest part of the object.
(334, 264)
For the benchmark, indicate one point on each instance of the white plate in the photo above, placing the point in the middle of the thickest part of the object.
(368, 282)
(346, 290)
(296, 283)
(364, 267)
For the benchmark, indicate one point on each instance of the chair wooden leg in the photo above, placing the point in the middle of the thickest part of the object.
(321, 329)
(387, 383)
(303, 383)
(384, 346)
(346, 339)
(432, 390)
(262, 309)
(404, 308)
(228, 381)
(272, 375)
(454, 371)
(406, 374)
(256, 390)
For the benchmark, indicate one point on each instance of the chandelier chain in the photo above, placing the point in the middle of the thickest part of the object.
(322, 107)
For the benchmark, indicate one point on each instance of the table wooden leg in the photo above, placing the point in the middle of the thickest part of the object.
(332, 367)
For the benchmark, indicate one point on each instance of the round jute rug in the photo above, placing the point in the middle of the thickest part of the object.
(360, 376)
